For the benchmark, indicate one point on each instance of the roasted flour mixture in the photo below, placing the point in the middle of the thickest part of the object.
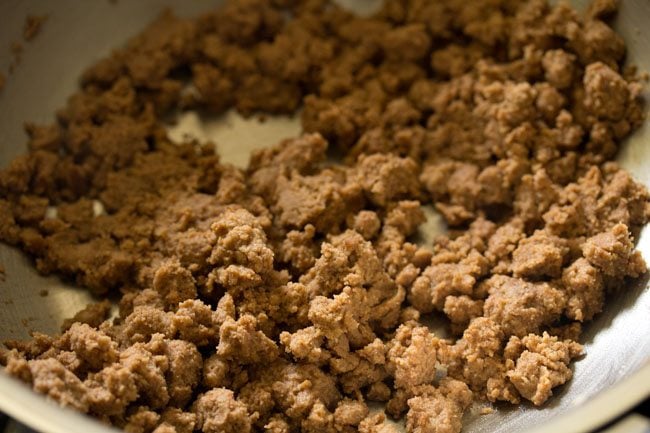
(287, 296)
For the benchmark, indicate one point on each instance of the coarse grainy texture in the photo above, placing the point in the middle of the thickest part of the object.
(287, 296)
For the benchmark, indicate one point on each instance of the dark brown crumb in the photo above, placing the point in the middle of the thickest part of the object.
(27, 321)
(44, 293)
(16, 55)
(33, 26)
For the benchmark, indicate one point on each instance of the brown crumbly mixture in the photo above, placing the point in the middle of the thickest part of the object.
(285, 296)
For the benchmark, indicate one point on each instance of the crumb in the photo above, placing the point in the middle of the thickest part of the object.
(44, 293)
(33, 26)
(16, 55)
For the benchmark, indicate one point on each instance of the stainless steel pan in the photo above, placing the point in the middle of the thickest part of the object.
(613, 376)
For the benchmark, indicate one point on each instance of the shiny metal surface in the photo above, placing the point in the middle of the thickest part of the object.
(613, 376)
